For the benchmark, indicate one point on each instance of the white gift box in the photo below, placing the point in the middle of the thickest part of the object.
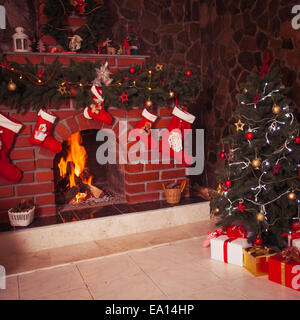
(234, 249)
(295, 242)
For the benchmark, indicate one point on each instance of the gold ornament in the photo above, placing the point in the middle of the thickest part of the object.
(276, 109)
(256, 163)
(149, 88)
(239, 125)
(219, 189)
(244, 90)
(11, 86)
(158, 67)
(62, 90)
(282, 86)
(292, 195)
(73, 3)
(149, 103)
(172, 94)
(149, 72)
(216, 210)
(260, 217)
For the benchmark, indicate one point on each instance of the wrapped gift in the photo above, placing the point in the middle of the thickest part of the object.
(284, 268)
(229, 246)
(294, 235)
(256, 260)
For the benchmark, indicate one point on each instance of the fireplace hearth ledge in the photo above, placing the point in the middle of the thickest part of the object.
(71, 233)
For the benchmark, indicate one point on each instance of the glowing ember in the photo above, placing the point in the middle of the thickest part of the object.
(77, 158)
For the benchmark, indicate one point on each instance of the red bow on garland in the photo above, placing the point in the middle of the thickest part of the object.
(264, 69)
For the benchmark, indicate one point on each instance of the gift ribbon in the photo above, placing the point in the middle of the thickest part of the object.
(295, 234)
(283, 273)
(233, 233)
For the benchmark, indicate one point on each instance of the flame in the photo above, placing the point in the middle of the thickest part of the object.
(77, 158)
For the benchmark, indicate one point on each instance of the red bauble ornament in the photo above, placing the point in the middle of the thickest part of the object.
(249, 135)
(228, 183)
(258, 241)
(297, 140)
(188, 73)
(222, 155)
(132, 70)
(40, 75)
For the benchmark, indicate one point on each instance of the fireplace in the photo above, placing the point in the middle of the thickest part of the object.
(79, 180)
(137, 183)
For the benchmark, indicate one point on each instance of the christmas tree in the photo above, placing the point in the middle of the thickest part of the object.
(259, 185)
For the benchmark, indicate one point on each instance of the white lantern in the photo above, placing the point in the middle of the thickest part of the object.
(21, 41)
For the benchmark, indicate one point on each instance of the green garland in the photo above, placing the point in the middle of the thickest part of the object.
(92, 32)
(39, 86)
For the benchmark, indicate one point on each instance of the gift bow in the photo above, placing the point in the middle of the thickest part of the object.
(291, 254)
(234, 232)
(295, 233)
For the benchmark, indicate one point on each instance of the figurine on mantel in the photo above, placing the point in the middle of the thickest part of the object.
(75, 43)
(21, 41)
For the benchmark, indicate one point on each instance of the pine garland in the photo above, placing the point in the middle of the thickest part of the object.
(92, 32)
(44, 85)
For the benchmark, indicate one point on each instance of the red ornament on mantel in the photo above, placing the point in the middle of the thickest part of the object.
(297, 140)
(222, 155)
(132, 70)
(249, 135)
(228, 183)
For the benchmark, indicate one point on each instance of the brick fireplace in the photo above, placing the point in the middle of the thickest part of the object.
(142, 182)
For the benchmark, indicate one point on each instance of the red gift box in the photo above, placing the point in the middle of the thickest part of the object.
(284, 272)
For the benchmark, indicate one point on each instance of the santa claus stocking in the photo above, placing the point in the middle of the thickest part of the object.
(41, 134)
(172, 140)
(143, 129)
(8, 129)
(96, 110)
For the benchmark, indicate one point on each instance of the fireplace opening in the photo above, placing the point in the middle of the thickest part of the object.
(80, 181)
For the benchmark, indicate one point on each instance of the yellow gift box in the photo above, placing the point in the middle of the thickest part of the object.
(256, 260)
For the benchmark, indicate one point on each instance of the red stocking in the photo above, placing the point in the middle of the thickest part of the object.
(96, 110)
(172, 141)
(143, 129)
(8, 129)
(41, 133)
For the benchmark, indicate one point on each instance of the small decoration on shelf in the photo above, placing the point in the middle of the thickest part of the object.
(120, 51)
(21, 41)
(41, 46)
(75, 43)
(126, 47)
(173, 191)
(22, 214)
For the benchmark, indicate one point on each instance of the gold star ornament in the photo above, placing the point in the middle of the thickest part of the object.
(239, 125)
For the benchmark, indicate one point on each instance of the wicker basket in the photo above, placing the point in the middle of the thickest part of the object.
(174, 195)
(21, 219)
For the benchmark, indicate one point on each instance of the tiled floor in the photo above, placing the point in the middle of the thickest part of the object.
(178, 270)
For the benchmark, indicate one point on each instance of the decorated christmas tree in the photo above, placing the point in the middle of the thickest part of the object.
(259, 185)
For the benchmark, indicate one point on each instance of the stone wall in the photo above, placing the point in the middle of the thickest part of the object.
(226, 40)
(19, 13)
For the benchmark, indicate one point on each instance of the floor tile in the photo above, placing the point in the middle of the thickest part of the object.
(161, 258)
(181, 279)
(42, 283)
(75, 294)
(11, 291)
(122, 244)
(107, 269)
(136, 287)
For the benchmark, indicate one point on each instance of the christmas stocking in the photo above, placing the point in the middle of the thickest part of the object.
(8, 129)
(172, 141)
(96, 110)
(41, 133)
(143, 129)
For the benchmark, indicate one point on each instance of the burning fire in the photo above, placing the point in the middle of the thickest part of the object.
(77, 158)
